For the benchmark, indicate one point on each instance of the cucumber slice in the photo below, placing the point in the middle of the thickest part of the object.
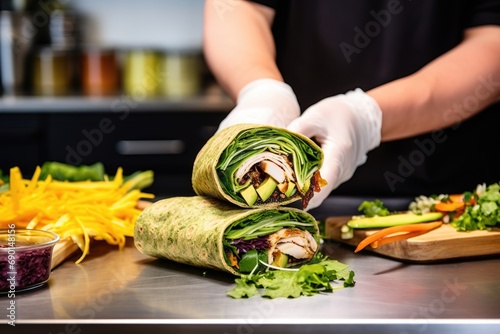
(394, 220)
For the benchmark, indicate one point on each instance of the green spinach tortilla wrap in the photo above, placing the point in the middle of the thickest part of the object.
(253, 165)
(206, 232)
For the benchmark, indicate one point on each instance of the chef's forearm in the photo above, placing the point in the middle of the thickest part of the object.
(447, 91)
(238, 43)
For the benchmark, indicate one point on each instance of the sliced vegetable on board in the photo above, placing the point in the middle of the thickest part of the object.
(393, 220)
(472, 210)
(395, 226)
(396, 233)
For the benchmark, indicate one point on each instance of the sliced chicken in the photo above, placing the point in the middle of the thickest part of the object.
(294, 242)
(273, 170)
(272, 164)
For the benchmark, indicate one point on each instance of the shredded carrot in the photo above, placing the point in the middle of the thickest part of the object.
(233, 260)
(82, 211)
(402, 232)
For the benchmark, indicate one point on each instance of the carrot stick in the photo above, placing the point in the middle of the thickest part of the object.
(403, 236)
(423, 227)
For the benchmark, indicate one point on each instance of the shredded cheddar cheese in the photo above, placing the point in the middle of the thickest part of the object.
(100, 210)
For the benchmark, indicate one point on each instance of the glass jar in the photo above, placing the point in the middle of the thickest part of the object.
(100, 72)
(180, 74)
(52, 72)
(141, 74)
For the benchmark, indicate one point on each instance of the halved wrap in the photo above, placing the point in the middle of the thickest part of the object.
(206, 232)
(252, 165)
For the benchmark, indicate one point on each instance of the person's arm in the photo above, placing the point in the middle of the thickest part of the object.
(448, 90)
(239, 48)
(238, 44)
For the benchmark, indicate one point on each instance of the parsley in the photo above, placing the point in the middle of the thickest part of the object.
(310, 279)
(484, 214)
(372, 209)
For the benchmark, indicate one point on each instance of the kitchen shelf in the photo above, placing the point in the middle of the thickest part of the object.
(207, 102)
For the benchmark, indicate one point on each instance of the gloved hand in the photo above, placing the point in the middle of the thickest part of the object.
(346, 126)
(264, 101)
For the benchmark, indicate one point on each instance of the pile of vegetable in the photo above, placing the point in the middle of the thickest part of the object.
(81, 203)
(292, 269)
(309, 279)
(395, 226)
(469, 211)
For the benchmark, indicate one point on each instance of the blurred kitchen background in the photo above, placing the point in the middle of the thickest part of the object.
(68, 47)
(118, 82)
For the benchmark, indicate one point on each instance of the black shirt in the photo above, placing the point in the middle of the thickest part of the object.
(327, 47)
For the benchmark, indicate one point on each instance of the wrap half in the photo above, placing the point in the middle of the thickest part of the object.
(253, 165)
(206, 232)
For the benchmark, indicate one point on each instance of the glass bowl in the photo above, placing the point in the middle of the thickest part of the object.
(25, 258)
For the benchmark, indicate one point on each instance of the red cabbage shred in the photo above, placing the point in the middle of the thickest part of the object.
(243, 246)
(31, 267)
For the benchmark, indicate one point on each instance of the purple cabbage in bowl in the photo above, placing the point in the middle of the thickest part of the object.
(25, 258)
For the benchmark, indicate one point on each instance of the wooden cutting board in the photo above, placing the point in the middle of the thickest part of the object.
(443, 243)
(62, 250)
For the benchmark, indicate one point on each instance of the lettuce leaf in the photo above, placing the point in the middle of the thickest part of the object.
(310, 279)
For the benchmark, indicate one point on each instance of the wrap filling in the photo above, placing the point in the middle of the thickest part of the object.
(271, 237)
(266, 165)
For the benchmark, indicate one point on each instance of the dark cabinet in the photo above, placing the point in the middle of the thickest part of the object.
(164, 139)
(21, 141)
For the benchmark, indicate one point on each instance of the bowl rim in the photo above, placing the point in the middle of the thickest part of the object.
(7, 231)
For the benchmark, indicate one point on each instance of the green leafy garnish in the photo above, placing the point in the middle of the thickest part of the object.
(484, 214)
(310, 279)
(373, 208)
(251, 259)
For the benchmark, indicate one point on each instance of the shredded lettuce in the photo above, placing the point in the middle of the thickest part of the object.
(267, 222)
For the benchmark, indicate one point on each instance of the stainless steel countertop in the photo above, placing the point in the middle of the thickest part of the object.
(128, 292)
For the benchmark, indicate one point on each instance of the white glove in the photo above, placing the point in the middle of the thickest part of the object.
(264, 101)
(346, 126)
